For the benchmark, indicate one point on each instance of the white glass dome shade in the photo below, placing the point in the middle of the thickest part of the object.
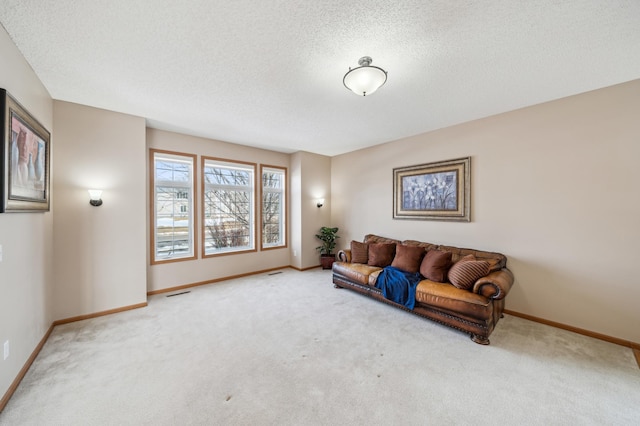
(365, 79)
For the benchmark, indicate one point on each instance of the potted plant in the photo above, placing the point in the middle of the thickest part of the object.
(328, 237)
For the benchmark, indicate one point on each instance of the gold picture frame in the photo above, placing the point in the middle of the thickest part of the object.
(433, 191)
(25, 149)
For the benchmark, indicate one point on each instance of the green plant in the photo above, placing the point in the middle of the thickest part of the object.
(328, 237)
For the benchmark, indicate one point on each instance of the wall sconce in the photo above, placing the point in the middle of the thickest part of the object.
(94, 195)
(320, 202)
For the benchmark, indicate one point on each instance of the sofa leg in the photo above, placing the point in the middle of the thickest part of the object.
(481, 340)
(336, 286)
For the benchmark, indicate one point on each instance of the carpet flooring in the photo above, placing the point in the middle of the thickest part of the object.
(289, 349)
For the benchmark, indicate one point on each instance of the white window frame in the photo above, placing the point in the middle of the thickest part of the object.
(250, 188)
(282, 171)
(187, 187)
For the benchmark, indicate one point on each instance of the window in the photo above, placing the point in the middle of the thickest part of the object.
(172, 183)
(273, 206)
(228, 206)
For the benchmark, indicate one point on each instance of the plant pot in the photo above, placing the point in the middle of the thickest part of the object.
(326, 260)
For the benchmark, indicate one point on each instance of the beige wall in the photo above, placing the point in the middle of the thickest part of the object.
(311, 179)
(554, 187)
(26, 238)
(100, 252)
(168, 275)
(295, 221)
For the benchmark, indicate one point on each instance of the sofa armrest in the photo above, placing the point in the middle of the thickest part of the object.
(344, 255)
(496, 285)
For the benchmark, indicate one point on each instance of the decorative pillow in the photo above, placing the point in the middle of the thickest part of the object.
(381, 254)
(435, 265)
(408, 258)
(464, 273)
(359, 252)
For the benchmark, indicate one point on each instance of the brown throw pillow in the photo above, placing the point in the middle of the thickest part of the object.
(381, 254)
(435, 265)
(464, 273)
(408, 258)
(359, 252)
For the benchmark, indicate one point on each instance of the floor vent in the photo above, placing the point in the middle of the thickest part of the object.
(178, 294)
(275, 273)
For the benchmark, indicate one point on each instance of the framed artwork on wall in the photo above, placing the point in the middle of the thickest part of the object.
(433, 191)
(24, 153)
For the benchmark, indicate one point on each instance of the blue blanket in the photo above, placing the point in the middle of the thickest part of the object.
(399, 286)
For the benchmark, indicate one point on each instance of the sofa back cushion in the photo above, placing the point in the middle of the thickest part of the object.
(381, 254)
(359, 252)
(426, 246)
(372, 238)
(435, 265)
(408, 258)
(464, 273)
(496, 261)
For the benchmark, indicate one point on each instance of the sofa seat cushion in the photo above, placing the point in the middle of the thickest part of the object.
(446, 296)
(373, 277)
(355, 271)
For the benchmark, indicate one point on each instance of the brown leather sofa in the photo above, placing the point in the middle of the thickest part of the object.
(475, 311)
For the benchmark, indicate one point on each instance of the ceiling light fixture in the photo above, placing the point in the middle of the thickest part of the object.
(365, 79)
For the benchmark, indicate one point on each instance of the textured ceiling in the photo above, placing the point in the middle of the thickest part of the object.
(268, 73)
